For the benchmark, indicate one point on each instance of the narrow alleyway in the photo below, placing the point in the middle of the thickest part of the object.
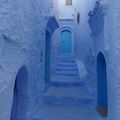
(65, 96)
(59, 60)
(68, 101)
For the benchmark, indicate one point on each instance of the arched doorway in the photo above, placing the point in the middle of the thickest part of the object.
(102, 100)
(20, 96)
(52, 25)
(66, 41)
(47, 56)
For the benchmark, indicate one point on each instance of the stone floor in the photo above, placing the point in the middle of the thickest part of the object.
(80, 112)
(58, 107)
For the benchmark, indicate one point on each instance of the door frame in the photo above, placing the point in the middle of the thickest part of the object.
(72, 38)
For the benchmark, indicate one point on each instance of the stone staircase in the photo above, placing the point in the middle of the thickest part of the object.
(66, 66)
(65, 87)
(66, 69)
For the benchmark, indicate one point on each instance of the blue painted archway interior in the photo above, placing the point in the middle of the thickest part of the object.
(20, 95)
(52, 25)
(66, 41)
(47, 56)
(102, 99)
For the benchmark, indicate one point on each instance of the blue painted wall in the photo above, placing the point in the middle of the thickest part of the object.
(22, 35)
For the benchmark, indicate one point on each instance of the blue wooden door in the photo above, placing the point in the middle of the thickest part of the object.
(66, 42)
(102, 81)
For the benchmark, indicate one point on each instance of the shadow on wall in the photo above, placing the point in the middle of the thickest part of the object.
(102, 95)
(20, 95)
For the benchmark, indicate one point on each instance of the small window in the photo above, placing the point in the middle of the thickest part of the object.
(69, 2)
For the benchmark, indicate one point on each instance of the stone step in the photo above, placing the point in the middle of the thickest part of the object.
(66, 60)
(64, 101)
(65, 79)
(67, 95)
(68, 64)
(67, 83)
(71, 73)
(66, 57)
(67, 69)
(75, 92)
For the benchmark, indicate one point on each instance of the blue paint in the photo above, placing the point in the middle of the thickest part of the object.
(66, 41)
(102, 81)
(20, 98)
(52, 24)
(47, 56)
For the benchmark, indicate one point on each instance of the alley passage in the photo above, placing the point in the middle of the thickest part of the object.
(66, 97)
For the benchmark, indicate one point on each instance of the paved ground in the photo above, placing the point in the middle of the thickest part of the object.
(50, 112)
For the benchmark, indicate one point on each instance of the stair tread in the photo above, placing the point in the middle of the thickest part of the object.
(67, 96)
(66, 73)
(68, 79)
(66, 63)
(68, 92)
(66, 66)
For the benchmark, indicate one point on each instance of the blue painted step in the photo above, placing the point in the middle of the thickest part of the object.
(67, 63)
(67, 84)
(52, 100)
(67, 69)
(67, 95)
(66, 73)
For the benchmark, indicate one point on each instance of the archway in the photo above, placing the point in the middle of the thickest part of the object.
(102, 100)
(52, 25)
(47, 56)
(20, 96)
(66, 41)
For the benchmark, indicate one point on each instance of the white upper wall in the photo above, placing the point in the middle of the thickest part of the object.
(65, 11)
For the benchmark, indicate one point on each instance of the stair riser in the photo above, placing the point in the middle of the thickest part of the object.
(66, 101)
(68, 69)
(67, 84)
(69, 61)
(66, 65)
(65, 74)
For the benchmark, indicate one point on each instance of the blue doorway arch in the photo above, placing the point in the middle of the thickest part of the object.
(102, 96)
(47, 56)
(52, 25)
(66, 41)
(20, 95)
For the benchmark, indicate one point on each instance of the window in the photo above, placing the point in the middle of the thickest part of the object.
(69, 2)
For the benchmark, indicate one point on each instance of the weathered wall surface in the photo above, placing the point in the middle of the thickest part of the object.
(22, 28)
(84, 44)
(113, 39)
(107, 42)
